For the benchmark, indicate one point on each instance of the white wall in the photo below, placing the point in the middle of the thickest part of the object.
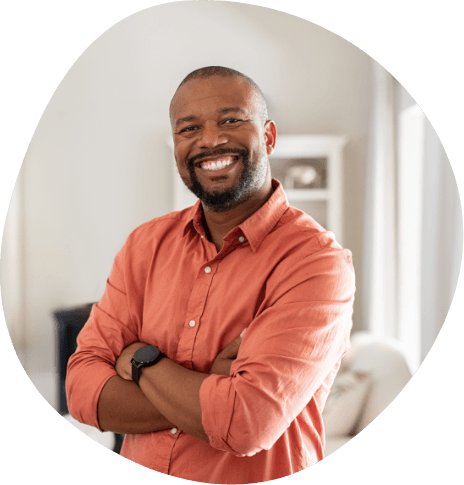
(99, 165)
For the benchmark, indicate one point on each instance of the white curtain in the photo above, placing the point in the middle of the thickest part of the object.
(413, 223)
(442, 234)
(379, 261)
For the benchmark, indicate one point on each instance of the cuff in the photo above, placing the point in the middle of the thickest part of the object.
(217, 397)
(84, 394)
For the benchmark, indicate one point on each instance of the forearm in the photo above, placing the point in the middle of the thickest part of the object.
(175, 392)
(169, 393)
(123, 408)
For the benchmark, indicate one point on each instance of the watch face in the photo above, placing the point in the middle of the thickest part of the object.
(147, 354)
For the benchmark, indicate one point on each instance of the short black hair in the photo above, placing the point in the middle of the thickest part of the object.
(210, 71)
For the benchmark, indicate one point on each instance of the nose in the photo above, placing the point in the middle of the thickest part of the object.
(211, 136)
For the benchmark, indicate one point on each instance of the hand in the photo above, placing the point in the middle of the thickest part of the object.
(123, 364)
(223, 362)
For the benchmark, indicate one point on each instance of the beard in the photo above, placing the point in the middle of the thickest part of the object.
(226, 199)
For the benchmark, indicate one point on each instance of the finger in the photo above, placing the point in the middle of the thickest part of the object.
(230, 352)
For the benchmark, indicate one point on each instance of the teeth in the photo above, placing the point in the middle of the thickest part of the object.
(218, 165)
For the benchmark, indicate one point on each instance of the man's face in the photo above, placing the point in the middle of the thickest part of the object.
(220, 140)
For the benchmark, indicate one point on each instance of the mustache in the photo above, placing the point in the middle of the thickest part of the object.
(218, 151)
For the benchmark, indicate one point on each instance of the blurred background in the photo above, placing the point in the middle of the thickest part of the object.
(100, 163)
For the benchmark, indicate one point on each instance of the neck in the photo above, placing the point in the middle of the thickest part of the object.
(219, 224)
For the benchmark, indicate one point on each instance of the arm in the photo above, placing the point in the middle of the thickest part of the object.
(96, 395)
(121, 414)
(289, 350)
(123, 408)
(287, 359)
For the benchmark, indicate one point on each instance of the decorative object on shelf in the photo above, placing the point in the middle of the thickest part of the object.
(305, 174)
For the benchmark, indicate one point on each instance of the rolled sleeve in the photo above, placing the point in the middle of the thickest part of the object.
(285, 356)
(107, 332)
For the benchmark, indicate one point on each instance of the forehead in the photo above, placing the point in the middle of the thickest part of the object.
(203, 96)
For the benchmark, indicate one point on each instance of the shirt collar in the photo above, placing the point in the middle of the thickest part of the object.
(194, 216)
(258, 225)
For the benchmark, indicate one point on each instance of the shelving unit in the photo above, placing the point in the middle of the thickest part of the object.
(324, 152)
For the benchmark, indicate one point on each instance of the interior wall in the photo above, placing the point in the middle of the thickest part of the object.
(99, 162)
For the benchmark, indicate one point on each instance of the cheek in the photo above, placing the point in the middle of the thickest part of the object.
(257, 152)
(183, 172)
(182, 151)
(180, 157)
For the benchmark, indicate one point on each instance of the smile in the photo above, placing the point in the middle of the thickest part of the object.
(217, 164)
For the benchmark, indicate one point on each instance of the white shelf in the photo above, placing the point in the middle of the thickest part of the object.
(295, 146)
(307, 194)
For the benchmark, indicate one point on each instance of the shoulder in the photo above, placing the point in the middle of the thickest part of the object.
(157, 229)
(304, 235)
(305, 250)
(311, 264)
(151, 238)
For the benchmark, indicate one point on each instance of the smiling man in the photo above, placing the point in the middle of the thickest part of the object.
(164, 357)
(223, 175)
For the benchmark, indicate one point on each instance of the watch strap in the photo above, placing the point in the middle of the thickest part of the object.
(136, 373)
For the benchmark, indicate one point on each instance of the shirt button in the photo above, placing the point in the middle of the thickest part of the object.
(192, 323)
(207, 269)
(241, 239)
(174, 430)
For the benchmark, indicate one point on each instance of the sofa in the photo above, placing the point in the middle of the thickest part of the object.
(371, 375)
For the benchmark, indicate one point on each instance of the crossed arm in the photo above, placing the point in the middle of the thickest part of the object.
(291, 347)
(168, 395)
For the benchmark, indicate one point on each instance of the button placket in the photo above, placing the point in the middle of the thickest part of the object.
(197, 302)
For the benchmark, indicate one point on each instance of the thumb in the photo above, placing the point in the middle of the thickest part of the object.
(230, 352)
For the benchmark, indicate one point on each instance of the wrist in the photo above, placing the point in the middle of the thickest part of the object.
(146, 356)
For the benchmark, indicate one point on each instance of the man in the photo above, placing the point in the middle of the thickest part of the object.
(219, 405)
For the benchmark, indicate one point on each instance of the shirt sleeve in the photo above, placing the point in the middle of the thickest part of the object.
(107, 332)
(289, 349)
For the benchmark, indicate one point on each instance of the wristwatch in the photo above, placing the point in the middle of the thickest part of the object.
(144, 357)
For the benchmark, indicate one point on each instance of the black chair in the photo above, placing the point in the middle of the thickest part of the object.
(70, 322)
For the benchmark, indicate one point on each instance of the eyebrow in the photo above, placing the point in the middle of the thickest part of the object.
(229, 110)
(184, 120)
(234, 109)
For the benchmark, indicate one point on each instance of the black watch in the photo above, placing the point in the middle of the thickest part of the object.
(144, 357)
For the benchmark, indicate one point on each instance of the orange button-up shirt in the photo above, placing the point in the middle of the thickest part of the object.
(281, 276)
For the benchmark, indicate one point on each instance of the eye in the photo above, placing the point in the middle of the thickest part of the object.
(231, 120)
(188, 129)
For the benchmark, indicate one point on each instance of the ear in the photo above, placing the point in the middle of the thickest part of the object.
(270, 135)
